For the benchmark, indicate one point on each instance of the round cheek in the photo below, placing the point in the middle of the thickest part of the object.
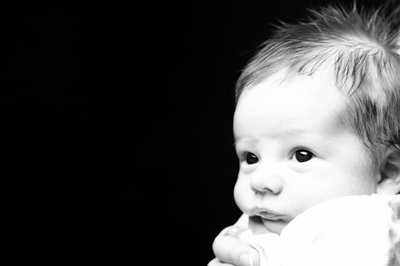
(301, 196)
(365, 185)
(332, 186)
(362, 177)
(241, 195)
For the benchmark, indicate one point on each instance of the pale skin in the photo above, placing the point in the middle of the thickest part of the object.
(295, 152)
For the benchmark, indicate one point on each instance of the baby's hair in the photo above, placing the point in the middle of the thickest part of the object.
(362, 47)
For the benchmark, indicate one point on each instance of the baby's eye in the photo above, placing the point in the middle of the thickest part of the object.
(251, 158)
(303, 156)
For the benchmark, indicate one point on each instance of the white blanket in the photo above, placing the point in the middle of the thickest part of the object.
(350, 231)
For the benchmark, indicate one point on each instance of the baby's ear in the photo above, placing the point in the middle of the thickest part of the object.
(390, 173)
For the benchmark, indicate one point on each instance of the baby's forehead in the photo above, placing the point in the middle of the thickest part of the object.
(305, 99)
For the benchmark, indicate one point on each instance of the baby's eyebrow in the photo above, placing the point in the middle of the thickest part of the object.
(290, 134)
(235, 143)
(294, 131)
(236, 140)
(243, 141)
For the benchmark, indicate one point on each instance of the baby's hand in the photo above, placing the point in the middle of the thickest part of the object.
(230, 251)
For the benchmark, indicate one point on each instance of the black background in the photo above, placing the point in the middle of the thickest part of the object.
(117, 125)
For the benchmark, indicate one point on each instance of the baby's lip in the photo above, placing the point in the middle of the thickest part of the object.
(269, 215)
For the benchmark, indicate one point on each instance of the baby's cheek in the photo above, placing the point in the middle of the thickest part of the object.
(299, 203)
(242, 196)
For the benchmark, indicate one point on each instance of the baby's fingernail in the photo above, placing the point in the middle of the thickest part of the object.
(245, 260)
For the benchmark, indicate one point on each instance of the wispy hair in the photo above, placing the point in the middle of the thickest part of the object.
(361, 46)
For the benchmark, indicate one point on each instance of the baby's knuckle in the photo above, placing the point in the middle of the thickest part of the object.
(213, 262)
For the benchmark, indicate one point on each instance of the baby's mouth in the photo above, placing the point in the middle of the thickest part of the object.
(271, 216)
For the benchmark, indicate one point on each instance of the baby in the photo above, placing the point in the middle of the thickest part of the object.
(317, 133)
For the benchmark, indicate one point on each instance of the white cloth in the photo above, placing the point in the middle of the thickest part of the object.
(349, 231)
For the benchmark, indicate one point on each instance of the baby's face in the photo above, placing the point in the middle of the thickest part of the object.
(294, 150)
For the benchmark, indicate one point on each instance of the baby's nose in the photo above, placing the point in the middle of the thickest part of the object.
(265, 181)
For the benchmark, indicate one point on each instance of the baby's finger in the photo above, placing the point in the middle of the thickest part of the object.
(231, 250)
(217, 262)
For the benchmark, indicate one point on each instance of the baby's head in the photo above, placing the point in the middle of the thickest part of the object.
(318, 115)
